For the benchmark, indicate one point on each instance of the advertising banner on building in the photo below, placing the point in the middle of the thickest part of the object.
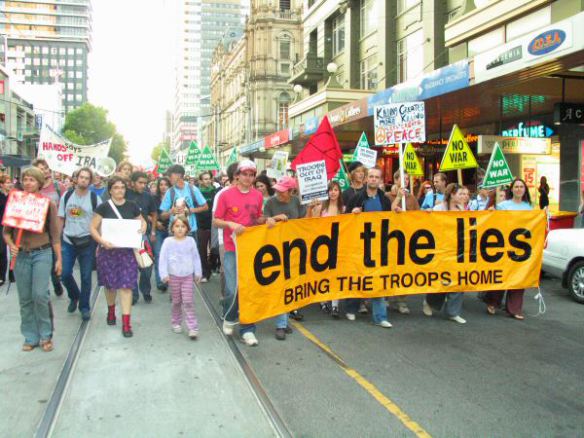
(514, 145)
(305, 261)
(277, 138)
(66, 157)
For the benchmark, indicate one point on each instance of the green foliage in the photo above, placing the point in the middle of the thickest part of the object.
(155, 154)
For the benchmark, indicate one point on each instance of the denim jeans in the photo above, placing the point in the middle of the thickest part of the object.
(160, 236)
(378, 308)
(86, 258)
(230, 302)
(282, 321)
(32, 271)
(451, 302)
(144, 277)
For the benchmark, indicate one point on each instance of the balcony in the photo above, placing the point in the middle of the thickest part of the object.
(308, 71)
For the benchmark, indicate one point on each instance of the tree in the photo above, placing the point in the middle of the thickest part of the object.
(155, 154)
(88, 124)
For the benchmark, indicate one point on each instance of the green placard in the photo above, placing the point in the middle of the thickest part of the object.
(362, 143)
(164, 162)
(342, 178)
(498, 172)
(232, 157)
(191, 159)
(207, 160)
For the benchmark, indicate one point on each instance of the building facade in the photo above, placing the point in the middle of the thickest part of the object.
(46, 42)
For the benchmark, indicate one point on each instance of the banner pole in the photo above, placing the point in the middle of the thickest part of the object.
(459, 173)
(18, 239)
(402, 176)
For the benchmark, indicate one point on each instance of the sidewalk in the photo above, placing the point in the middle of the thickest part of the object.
(158, 383)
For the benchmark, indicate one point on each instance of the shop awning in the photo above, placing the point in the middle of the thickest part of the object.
(14, 161)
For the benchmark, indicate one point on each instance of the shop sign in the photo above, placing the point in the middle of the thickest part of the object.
(533, 129)
(251, 148)
(311, 125)
(534, 48)
(349, 112)
(471, 139)
(569, 113)
(441, 81)
(514, 145)
(277, 138)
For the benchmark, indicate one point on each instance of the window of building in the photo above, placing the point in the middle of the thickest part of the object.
(70, 63)
(36, 50)
(79, 74)
(284, 5)
(54, 50)
(285, 55)
(367, 17)
(36, 61)
(62, 50)
(45, 50)
(283, 104)
(369, 73)
(27, 49)
(404, 5)
(410, 56)
(486, 42)
(338, 34)
(71, 51)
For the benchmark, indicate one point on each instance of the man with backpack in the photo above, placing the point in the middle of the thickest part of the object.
(76, 211)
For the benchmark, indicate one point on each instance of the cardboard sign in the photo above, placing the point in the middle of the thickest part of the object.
(278, 164)
(412, 164)
(400, 123)
(164, 162)
(27, 211)
(498, 172)
(312, 181)
(207, 160)
(66, 157)
(366, 156)
(342, 178)
(383, 254)
(458, 154)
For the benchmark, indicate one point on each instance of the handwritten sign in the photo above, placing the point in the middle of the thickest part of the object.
(400, 123)
(312, 181)
(27, 211)
(366, 156)
(66, 157)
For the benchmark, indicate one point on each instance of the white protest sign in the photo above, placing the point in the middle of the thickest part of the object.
(400, 123)
(366, 156)
(312, 181)
(277, 167)
(66, 157)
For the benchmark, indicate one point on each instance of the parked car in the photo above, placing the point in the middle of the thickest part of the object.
(563, 257)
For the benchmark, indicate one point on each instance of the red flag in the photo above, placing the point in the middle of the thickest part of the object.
(323, 145)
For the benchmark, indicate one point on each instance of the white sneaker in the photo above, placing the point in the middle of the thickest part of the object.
(363, 309)
(249, 339)
(426, 309)
(177, 328)
(403, 309)
(204, 280)
(228, 328)
(458, 319)
(384, 324)
(193, 334)
(351, 316)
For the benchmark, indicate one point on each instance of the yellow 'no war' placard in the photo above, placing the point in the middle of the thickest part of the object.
(412, 164)
(367, 255)
(458, 154)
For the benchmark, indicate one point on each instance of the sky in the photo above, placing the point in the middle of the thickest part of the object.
(131, 69)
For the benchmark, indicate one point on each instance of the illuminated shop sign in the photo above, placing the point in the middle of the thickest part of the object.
(533, 129)
(546, 42)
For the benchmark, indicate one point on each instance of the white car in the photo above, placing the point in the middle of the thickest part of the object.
(563, 257)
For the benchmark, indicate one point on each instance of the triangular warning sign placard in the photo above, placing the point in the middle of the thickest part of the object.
(362, 143)
(164, 162)
(412, 165)
(207, 160)
(458, 154)
(498, 172)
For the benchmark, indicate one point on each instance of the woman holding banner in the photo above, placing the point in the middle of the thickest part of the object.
(520, 200)
(34, 261)
(452, 301)
(117, 268)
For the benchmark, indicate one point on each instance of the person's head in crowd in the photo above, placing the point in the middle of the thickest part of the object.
(501, 194)
(334, 196)
(33, 179)
(43, 166)
(425, 188)
(176, 174)
(84, 178)
(231, 174)
(284, 188)
(139, 181)
(518, 190)
(206, 179)
(192, 180)
(4, 183)
(180, 226)
(125, 169)
(116, 187)
(440, 182)
(264, 185)
(397, 179)
(224, 179)
(152, 187)
(464, 196)
(452, 195)
(373, 178)
(357, 173)
(162, 186)
(97, 180)
(246, 173)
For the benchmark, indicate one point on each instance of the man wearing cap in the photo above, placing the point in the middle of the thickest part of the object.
(238, 207)
(280, 208)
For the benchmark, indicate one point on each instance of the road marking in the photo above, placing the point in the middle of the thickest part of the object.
(365, 384)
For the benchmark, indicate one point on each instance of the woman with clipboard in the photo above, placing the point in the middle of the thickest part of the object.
(117, 268)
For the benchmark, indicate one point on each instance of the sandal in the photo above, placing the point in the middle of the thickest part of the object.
(47, 345)
(491, 310)
(519, 317)
(28, 347)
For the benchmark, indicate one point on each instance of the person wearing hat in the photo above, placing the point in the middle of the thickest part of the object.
(357, 174)
(282, 207)
(34, 263)
(238, 207)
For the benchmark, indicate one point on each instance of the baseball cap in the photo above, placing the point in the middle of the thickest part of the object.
(246, 165)
(284, 184)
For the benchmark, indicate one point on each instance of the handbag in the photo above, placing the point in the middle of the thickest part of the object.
(80, 242)
(144, 253)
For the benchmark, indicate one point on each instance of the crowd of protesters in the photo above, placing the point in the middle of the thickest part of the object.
(190, 223)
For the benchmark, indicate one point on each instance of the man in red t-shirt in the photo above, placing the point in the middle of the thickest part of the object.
(239, 207)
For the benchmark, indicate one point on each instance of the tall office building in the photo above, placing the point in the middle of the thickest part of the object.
(47, 41)
(201, 25)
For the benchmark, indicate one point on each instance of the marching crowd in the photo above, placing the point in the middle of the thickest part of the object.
(189, 224)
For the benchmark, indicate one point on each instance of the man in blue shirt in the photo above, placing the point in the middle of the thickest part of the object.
(436, 197)
(182, 198)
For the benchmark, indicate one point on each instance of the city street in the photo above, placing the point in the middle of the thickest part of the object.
(493, 376)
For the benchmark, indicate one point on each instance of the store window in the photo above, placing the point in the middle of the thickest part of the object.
(369, 73)
(338, 34)
(283, 104)
(410, 56)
